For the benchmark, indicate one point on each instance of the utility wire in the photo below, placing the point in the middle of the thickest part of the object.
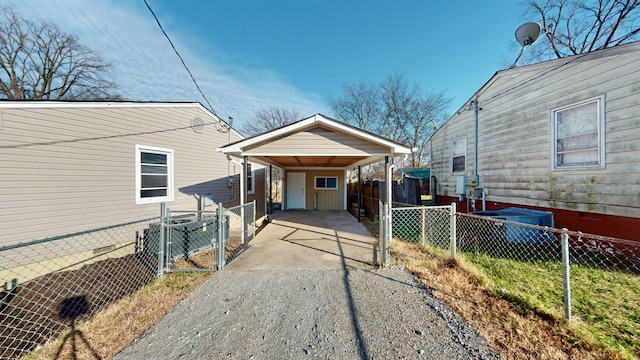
(179, 56)
(57, 142)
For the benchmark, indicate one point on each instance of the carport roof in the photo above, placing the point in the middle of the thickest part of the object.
(316, 142)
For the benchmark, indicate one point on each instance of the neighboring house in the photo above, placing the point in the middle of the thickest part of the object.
(76, 166)
(561, 136)
(315, 154)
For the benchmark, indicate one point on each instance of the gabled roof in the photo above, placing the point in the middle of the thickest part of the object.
(316, 142)
(537, 70)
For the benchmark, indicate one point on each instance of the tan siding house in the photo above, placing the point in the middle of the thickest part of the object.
(69, 167)
(315, 154)
(562, 135)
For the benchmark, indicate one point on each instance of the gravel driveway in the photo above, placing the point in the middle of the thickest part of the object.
(298, 314)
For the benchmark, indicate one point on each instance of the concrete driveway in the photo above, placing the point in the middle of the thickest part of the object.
(310, 239)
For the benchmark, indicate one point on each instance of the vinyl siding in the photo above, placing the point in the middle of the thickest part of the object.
(514, 147)
(68, 169)
(318, 141)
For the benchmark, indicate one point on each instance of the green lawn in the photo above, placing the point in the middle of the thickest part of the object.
(605, 304)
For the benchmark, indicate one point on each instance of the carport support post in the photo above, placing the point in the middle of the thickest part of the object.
(359, 190)
(389, 194)
(243, 199)
(221, 235)
(270, 209)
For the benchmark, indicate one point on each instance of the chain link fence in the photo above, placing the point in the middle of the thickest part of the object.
(49, 284)
(192, 240)
(242, 229)
(564, 261)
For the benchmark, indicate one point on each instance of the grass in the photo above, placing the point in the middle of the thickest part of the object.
(605, 306)
(604, 303)
(518, 307)
(113, 328)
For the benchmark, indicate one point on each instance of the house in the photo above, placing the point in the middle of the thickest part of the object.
(315, 154)
(560, 136)
(76, 166)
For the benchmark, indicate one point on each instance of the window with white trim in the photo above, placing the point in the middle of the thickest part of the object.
(154, 175)
(578, 135)
(250, 179)
(326, 183)
(458, 155)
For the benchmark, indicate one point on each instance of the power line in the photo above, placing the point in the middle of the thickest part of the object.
(180, 57)
(57, 142)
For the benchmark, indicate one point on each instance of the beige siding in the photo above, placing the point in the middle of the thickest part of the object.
(67, 169)
(323, 199)
(319, 142)
(259, 194)
(514, 147)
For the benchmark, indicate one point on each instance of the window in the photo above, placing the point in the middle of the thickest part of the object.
(250, 180)
(458, 155)
(154, 175)
(578, 132)
(326, 182)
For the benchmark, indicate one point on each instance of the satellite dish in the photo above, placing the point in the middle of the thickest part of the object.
(528, 33)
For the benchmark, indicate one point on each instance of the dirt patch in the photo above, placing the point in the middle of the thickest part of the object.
(43, 308)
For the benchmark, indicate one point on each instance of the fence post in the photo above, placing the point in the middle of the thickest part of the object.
(564, 242)
(253, 220)
(452, 230)
(387, 234)
(163, 229)
(423, 230)
(221, 235)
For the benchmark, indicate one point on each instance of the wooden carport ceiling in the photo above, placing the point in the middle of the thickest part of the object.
(315, 161)
(317, 142)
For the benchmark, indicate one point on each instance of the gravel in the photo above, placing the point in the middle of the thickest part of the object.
(297, 314)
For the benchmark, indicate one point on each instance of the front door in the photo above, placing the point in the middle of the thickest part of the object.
(295, 190)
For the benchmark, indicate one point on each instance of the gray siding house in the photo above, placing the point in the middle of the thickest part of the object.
(76, 166)
(561, 136)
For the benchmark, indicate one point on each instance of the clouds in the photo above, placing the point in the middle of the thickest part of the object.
(146, 68)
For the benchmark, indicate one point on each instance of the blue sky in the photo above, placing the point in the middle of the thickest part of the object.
(248, 55)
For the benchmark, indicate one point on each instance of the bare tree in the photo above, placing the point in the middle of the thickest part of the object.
(40, 62)
(410, 115)
(393, 109)
(579, 26)
(360, 105)
(269, 119)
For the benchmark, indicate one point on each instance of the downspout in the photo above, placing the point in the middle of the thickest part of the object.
(476, 176)
(475, 143)
(390, 177)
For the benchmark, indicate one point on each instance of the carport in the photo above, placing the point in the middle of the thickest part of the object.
(310, 239)
(315, 154)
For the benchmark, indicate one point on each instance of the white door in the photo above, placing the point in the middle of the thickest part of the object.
(295, 190)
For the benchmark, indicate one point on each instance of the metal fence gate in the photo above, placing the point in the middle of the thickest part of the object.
(203, 240)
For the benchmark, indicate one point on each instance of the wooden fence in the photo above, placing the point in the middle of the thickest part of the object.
(407, 191)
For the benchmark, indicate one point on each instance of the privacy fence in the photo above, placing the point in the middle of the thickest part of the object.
(567, 263)
(48, 284)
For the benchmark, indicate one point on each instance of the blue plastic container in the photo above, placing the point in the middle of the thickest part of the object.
(515, 233)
